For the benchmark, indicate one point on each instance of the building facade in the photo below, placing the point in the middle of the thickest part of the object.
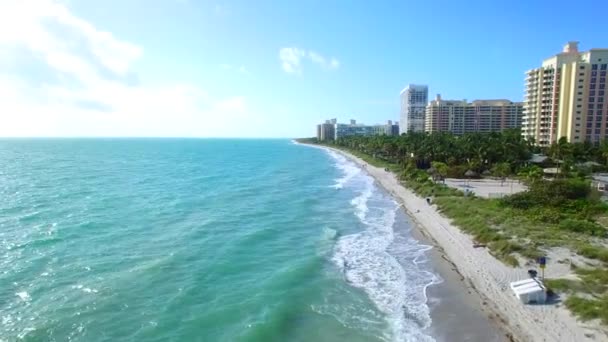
(327, 130)
(566, 97)
(353, 128)
(332, 130)
(413, 99)
(460, 117)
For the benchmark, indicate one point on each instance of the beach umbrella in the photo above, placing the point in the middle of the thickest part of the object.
(469, 174)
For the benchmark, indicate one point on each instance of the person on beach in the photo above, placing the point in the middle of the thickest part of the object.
(428, 200)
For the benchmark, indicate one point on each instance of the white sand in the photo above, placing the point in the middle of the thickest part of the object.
(490, 277)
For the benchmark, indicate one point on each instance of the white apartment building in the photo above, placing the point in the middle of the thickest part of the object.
(414, 99)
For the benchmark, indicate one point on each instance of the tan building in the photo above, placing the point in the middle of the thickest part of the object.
(566, 97)
(460, 117)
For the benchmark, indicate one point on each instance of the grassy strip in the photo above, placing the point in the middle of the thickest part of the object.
(587, 297)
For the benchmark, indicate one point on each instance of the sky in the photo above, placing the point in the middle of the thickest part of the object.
(241, 68)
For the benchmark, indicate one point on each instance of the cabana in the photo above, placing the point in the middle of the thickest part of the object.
(530, 291)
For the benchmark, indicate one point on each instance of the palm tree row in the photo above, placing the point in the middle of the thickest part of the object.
(476, 151)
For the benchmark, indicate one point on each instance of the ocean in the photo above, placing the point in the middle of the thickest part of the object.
(203, 240)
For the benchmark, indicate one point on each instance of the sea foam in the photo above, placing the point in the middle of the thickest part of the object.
(392, 274)
(349, 170)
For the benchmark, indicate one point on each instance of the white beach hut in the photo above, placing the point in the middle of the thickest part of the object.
(530, 291)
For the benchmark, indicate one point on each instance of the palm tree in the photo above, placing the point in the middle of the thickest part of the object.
(604, 150)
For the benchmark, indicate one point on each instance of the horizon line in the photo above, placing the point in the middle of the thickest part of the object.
(137, 137)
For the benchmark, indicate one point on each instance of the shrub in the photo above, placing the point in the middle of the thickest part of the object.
(593, 252)
(588, 309)
(561, 188)
(546, 215)
(505, 247)
(522, 200)
(582, 226)
(557, 193)
(511, 260)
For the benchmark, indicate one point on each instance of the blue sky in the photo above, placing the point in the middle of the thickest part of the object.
(263, 68)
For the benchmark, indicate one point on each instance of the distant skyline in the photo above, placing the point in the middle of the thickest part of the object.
(187, 68)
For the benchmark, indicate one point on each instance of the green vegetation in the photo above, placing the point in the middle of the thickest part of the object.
(563, 212)
(588, 296)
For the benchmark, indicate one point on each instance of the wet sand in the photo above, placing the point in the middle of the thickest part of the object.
(457, 312)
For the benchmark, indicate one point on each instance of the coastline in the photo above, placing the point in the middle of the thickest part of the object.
(455, 310)
(482, 276)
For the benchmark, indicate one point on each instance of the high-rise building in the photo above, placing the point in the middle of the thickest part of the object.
(327, 130)
(460, 117)
(413, 103)
(332, 130)
(566, 97)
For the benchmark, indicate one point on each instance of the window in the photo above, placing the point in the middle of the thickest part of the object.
(603, 67)
(600, 93)
(591, 100)
(590, 106)
(600, 99)
(594, 67)
(577, 131)
(602, 85)
(592, 86)
(582, 67)
(578, 125)
(602, 79)
(593, 73)
(589, 124)
(581, 73)
(600, 105)
(588, 130)
(602, 73)
(580, 93)
(593, 79)
(592, 93)
(598, 125)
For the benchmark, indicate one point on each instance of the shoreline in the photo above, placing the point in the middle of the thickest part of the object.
(481, 274)
(456, 313)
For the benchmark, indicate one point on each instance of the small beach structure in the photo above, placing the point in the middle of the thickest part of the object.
(530, 291)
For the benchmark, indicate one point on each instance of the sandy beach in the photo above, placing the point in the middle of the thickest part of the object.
(456, 311)
(487, 277)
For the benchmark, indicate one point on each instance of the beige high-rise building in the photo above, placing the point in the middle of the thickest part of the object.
(566, 97)
(460, 117)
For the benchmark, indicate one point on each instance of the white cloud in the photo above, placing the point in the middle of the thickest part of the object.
(292, 57)
(62, 76)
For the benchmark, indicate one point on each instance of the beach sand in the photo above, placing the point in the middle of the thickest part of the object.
(483, 279)
(456, 311)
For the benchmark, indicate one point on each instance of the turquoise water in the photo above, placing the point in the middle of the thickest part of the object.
(201, 240)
